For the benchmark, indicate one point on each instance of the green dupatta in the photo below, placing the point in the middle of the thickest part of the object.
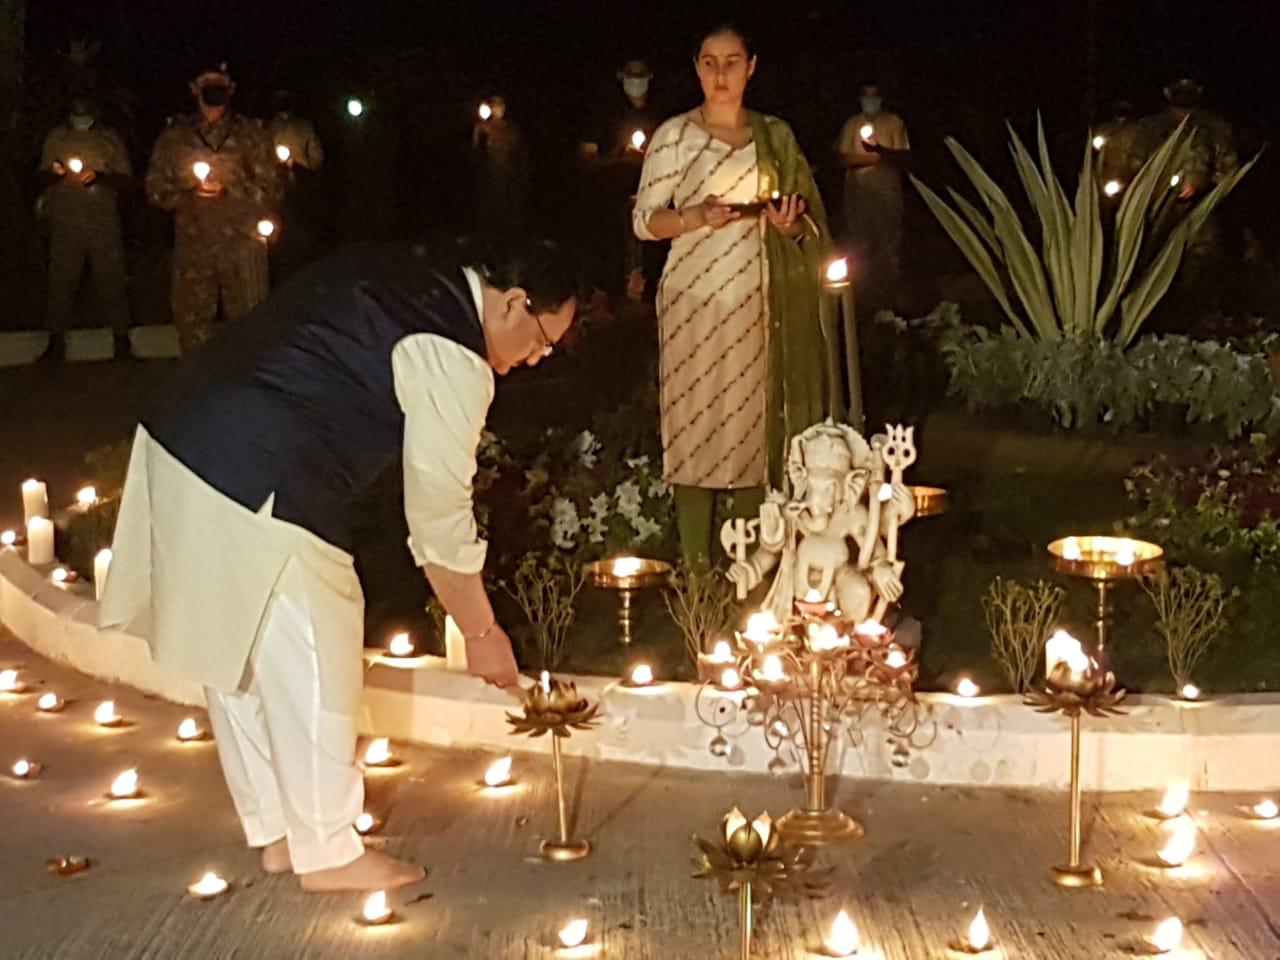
(799, 393)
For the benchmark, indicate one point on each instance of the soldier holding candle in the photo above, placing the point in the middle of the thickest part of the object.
(85, 165)
(217, 171)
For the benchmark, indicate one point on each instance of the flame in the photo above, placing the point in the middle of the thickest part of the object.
(1071, 549)
(871, 628)
(364, 823)
(22, 768)
(838, 270)
(1175, 180)
(967, 688)
(376, 909)
(843, 940)
(1266, 809)
(87, 496)
(125, 785)
(979, 935)
(1059, 648)
(1190, 691)
(723, 653)
(188, 729)
(59, 575)
(642, 675)
(638, 138)
(106, 713)
(545, 680)
(762, 626)
(283, 153)
(75, 165)
(49, 701)
(1125, 554)
(210, 885)
(813, 595)
(1099, 142)
(499, 773)
(1112, 187)
(378, 752)
(772, 670)
(266, 227)
(1180, 846)
(1175, 799)
(867, 131)
(9, 681)
(730, 679)
(573, 933)
(1168, 935)
(627, 566)
(895, 659)
(8, 538)
(485, 111)
(400, 646)
(201, 170)
(355, 107)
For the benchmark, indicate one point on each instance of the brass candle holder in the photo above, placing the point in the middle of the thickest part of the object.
(813, 680)
(1075, 685)
(930, 501)
(752, 860)
(554, 707)
(1105, 560)
(626, 575)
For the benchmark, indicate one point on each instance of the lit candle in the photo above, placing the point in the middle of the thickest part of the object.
(871, 630)
(772, 671)
(379, 754)
(125, 786)
(1175, 180)
(1167, 936)
(1174, 801)
(1125, 554)
(208, 886)
(101, 566)
(8, 538)
(1071, 549)
(401, 645)
(762, 627)
(838, 270)
(190, 729)
(283, 153)
(39, 541)
(201, 170)
(50, 702)
(867, 131)
(86, 497)
(266, 228)
(1099, 141)
(978, 937)
(1180, 846)
(25, 769)
(641, 675)
(59, 575)
(104, 715)
(355, 107)
(499, 773)
(967, 688)
(1190, 691)
(730, 680)
(722, 652)
(1062, 647)
(10, 683)
(843, 941)
(1112, 187)
(1266, 809)
(75, 165)
(573, 934)
(627, 566)
(485, 111)
(35, 500)
(637, 140)
(365, 823)
(813, 595)
(545, 680)
(895, 659)
(376, 909)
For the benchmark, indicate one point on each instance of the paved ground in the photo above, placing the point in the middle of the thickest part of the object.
(930, 857)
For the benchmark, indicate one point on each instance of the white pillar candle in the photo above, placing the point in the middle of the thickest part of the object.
(455, 646)
(101, 565)
(39, 541)
(35, 500)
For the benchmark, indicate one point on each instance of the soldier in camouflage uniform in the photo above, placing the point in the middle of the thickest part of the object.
(296, 135)
(84, 164)
(217, 250)
(300, 155)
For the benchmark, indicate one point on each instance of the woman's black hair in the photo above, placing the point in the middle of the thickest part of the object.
(547, 271)
(725, 26)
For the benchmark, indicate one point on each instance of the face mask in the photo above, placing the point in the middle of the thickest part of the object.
(215, 95)
(871, 106)
(81, 121)
(635, 86)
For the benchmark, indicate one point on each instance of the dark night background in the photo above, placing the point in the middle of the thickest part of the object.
(950, 68)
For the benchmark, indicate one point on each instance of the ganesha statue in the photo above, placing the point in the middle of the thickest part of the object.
(832, 537)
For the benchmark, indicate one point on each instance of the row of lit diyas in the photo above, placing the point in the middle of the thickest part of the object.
(804, 683)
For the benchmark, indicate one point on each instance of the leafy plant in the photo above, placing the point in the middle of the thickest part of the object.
(545, 587)
(702, 604)
(1189, 604)
(1019, 619)
(1076, 286)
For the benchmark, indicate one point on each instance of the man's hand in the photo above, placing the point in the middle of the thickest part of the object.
(490, 658)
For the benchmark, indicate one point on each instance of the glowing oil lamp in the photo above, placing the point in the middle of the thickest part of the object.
(843, 940)
(50, 702)
(124, 786)
(378, 754)
(499, 773)
(1180, 846)
(377, 910)
(208, 886)
(105, 715)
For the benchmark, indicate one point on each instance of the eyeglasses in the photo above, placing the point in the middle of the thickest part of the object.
(548, 347)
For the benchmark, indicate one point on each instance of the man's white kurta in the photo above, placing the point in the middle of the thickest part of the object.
(196, 573)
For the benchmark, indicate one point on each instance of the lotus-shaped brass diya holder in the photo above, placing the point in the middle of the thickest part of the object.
(555, 707)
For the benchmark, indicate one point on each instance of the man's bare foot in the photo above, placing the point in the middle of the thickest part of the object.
(275, 857)
(370, 871)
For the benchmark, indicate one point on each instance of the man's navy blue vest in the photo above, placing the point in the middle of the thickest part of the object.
(298, 397)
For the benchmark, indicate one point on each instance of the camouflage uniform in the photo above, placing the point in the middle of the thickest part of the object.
(216, 245)
(85, 224)
(286, 130)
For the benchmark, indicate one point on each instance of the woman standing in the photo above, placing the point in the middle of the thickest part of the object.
(742, 352)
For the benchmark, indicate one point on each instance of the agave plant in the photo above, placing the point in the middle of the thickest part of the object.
(1078, 285)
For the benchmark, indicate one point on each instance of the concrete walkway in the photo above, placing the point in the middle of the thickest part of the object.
(931, 856)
